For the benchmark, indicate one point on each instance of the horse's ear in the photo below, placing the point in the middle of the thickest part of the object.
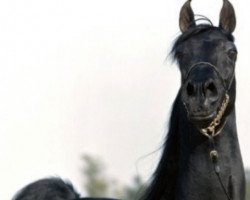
(227, 17)
(186, 19)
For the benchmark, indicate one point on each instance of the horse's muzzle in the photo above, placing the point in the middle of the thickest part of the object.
(202, 93)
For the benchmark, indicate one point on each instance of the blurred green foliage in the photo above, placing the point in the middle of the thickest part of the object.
(98, 184)
(136, 190)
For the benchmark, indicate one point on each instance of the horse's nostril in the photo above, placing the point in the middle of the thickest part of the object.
(211, 87)
(190, 89)
(211, 91)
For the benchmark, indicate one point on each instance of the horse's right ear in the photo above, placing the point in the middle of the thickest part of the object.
(227, 17)
(186, 19)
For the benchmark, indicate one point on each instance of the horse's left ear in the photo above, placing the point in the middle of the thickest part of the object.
(227, 17)
(186, 19)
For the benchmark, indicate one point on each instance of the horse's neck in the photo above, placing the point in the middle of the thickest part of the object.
(195, 166)
(186, 152)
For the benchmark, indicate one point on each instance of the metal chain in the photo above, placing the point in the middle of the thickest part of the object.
(216, 121)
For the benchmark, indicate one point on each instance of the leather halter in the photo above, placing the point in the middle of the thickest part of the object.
(211, 129)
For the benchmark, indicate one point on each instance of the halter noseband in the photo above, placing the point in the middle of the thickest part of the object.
(215, 69)
(210, 65)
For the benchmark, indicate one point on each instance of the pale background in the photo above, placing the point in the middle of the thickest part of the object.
(89, 76)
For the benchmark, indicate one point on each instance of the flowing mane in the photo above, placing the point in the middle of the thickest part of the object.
(167, 168)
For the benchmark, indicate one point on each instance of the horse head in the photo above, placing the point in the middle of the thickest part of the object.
(206, 56)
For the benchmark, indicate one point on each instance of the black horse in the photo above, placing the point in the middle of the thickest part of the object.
(201, 159)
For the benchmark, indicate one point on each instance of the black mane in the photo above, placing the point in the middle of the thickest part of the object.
(168, 166)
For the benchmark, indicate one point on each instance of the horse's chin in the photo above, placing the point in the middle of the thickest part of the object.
(201, 120)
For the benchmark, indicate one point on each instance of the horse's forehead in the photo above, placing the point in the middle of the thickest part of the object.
(208, 38)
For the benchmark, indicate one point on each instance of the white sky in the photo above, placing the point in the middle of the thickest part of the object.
(89, 77)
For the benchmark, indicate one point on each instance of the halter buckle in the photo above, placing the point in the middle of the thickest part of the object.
(214, 156)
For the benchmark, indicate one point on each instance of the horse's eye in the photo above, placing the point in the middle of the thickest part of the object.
(232, 54)
(179, 55)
